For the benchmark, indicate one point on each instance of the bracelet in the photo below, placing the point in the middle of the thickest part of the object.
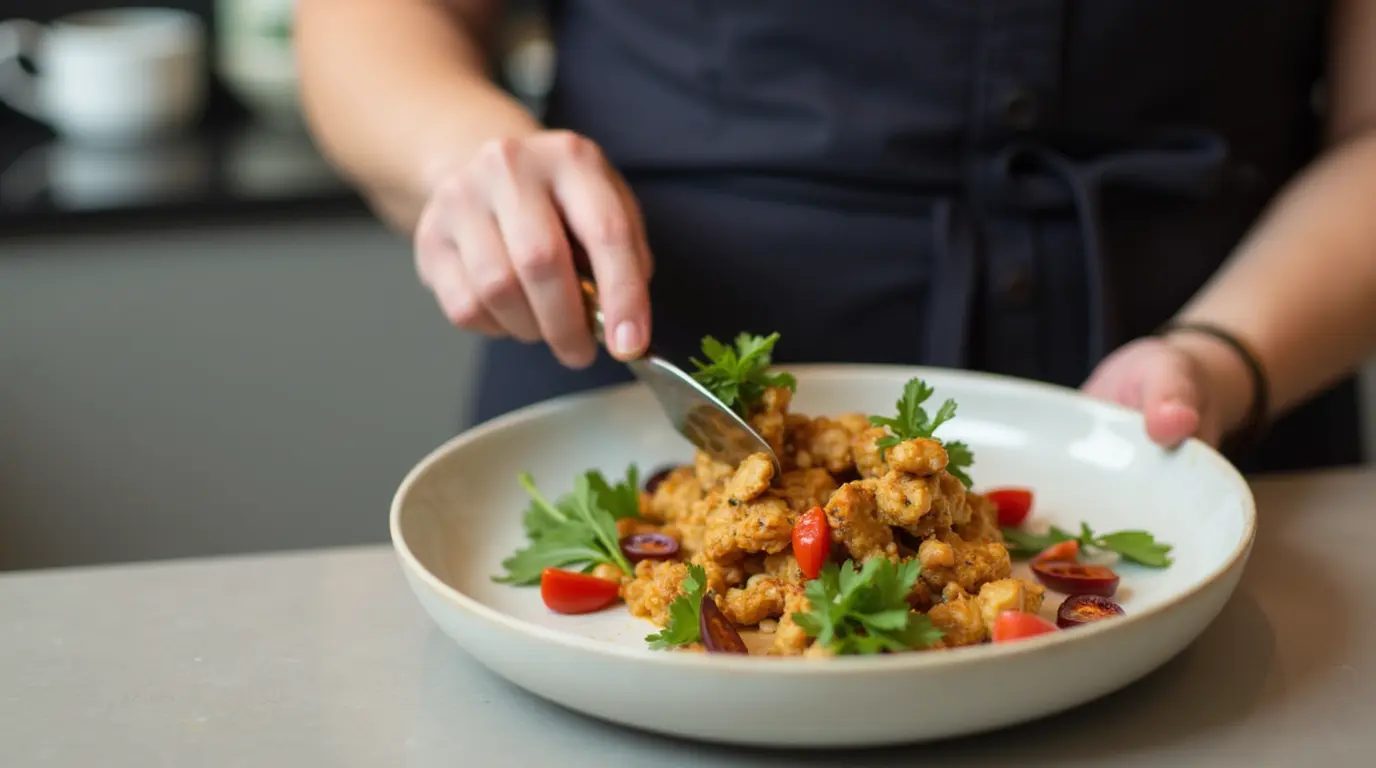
(1246, 436)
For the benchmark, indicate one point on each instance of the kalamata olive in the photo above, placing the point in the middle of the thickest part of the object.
(649, 546)
(652, 482)
(719, 635)
(1076, 578)
(1083, 609)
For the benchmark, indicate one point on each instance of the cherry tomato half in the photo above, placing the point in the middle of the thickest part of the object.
(1013, 504)
(1075, 578)
(1063, 552)
(1017, 625)
(812, 541)
(569, 592)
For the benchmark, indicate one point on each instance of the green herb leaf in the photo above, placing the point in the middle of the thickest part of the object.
(577, 531)
(738, 375)
(912, 422)
(865, 611)
(1023, 544)
(959, 459)
(685, 613)
(1135, 546)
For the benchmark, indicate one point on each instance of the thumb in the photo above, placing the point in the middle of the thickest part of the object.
(1171, 403)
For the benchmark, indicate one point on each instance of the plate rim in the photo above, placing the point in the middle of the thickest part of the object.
(790, 666)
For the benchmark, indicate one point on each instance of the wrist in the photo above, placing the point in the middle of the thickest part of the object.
(1232, 377)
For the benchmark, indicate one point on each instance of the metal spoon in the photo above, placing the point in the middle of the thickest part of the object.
(694, 411)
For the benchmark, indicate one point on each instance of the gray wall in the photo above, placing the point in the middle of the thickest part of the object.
(171, 393)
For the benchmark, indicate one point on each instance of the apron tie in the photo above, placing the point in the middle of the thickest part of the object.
(1030, 177)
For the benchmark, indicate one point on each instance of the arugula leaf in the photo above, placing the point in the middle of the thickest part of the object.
(912, 422)
(685, 613)
(1134, 546)
(866, 611)
(578, 530)
(738, 375)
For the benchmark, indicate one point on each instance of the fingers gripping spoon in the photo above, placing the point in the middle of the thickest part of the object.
(695, 412)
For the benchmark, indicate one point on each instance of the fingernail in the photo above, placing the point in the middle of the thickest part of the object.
(626, 339)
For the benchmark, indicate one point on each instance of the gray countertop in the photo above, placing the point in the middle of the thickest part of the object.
(325, 659)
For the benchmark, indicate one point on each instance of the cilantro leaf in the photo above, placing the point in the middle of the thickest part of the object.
(959, 459)
(738, 375)
(913, 422)
(1134, 546)
(865, 611)
(578, 530)
(685, 613)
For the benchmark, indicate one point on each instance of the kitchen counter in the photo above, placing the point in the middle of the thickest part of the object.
(229, 167)
(325, 659)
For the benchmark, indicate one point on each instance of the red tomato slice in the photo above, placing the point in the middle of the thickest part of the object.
(1013, 504)
(1063, 552)
(1017, 625)
(569, 592)
(812, 541)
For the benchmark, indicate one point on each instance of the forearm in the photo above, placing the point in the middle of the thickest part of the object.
(396, 92)
(1301, 289)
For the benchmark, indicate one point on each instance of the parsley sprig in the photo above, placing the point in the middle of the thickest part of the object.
(577, 530)
(913, 422)
(685, 613)
(738, 375)
(866, 611)
(1134, 546)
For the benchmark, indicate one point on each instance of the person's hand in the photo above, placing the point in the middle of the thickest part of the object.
(493, 245)
(1186, 385)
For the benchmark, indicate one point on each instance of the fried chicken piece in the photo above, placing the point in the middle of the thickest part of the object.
(721, 576)
(710, 472)
(869, 458)
(789, 638)
(823, 443)
(770, 417)
(691, 529)
(996, 597)
(982, 521)
(656, 584)
(905, 501)
(674, 496)
(751, 478)
(762, 525)
(959, 617)
(783, 566)
(762, 597)
(922, 456)
(804, 489)
(974, 563)
(853, 517)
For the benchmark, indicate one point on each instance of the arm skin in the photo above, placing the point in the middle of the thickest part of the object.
(397, 92)
(1301, 288)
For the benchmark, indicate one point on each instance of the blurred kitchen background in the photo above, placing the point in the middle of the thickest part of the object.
(207, 344)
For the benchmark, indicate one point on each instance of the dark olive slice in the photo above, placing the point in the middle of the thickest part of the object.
(719, 635)
(649, 546)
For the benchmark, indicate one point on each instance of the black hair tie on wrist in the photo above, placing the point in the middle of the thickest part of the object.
(1246, 436)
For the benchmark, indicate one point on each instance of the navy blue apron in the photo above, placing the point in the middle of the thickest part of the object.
(1017, 186)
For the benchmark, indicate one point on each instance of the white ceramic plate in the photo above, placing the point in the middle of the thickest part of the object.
(457, 515)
